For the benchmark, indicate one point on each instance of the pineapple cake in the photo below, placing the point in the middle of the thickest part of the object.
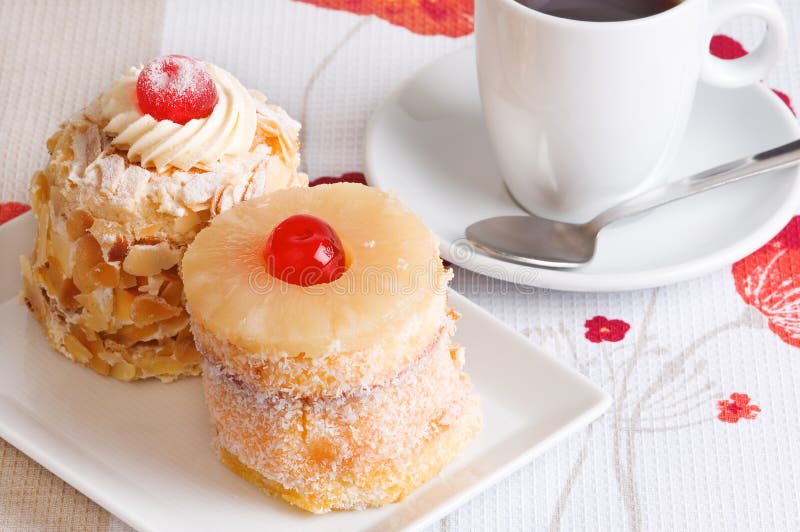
(131, 180)
(330, 373)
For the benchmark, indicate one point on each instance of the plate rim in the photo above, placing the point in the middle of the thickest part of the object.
(601, 402)
(598, 401)
(571, 280)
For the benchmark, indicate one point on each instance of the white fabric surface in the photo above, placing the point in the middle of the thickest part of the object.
(659, 459)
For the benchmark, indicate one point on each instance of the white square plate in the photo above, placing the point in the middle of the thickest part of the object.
(143, 450)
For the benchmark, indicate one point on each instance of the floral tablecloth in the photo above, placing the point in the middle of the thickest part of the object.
(704, 433)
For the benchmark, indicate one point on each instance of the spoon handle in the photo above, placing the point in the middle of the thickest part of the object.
(774, 159)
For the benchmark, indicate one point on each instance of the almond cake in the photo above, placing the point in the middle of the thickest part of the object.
(131, 180)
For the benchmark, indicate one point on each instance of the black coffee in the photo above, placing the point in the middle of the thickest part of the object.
(600, 10)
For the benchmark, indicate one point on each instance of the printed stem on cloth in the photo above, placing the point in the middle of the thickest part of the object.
(658, 408)
(320, 69)
(624, 462)
(561, 503)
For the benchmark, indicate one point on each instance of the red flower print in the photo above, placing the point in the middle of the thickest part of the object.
(349, 177)
(452, 18)
(11, 210)
(785, 97)
(726, 47)
(601, 329)
(738, 407)
(769, 280)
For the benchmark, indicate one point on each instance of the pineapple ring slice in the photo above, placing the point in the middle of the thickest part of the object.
(394, 274)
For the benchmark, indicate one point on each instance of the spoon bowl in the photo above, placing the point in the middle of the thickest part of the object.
(544, 242)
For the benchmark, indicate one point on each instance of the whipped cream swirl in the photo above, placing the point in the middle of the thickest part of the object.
(201, 142)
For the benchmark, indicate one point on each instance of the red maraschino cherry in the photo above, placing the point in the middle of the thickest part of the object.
(305, 251)
(176, 88)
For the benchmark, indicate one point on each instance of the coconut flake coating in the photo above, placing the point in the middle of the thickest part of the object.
(334, 374)
(365, 448)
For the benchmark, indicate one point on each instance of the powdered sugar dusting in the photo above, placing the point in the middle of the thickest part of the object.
(354, 450)
(176, 88)
(177, 73)
(112, 171)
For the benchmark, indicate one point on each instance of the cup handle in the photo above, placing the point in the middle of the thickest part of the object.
(754, 66)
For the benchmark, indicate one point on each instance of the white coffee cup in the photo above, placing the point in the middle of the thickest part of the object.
(582, 115)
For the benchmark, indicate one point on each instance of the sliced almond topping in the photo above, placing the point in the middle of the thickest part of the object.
(40, 250)
(53, 277)
(78, 351)
(147, 231)
(186, 223)
(31, 291)
(40, 189)
(58, 203)
(100, 366)
(106, 275)
(87, 255)
(163, 366)
(123, 299)
(61, 250)
(108, 234)
(112, 357)
(173, 326)
(78, 222)
(60, 287)
(130, 334)
(172, 292)
(185, 351)
(153, 285)
(67, 295)
(97, 308)
(127, 280)
(123, 371)
(146, 260)
(52, 141)
(147, 309)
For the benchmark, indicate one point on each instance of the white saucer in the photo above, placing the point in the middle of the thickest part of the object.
(428, 144)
